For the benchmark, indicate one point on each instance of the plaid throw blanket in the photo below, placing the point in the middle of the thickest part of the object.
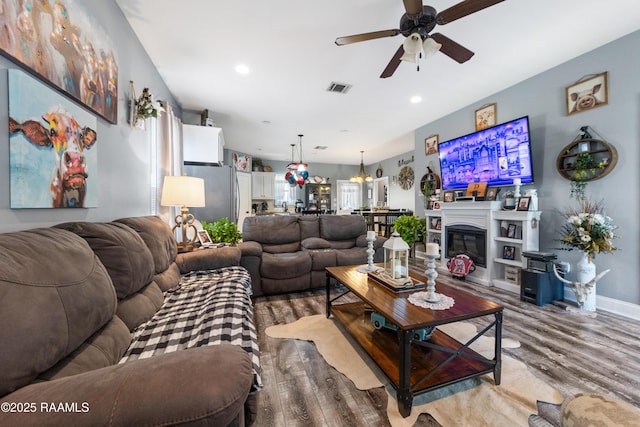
(207, 308)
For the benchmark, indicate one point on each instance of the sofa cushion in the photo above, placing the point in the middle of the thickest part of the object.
(309, 226)
(315, 243)
(141, 306)
(342, 227)
(351, 256)
(51, 282)
(159, 239)
(277, 234)
(122, 252)
(105, 348)
(286, 265)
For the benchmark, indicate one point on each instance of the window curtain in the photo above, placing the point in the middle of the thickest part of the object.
(166, 158)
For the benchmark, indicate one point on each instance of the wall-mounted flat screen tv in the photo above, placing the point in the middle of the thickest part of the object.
(496, 155)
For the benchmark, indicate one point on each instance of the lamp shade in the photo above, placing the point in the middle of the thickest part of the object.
(183, 191)
(430, 47)
(411, 45)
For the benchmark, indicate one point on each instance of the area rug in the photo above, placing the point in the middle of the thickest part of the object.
(475, 402)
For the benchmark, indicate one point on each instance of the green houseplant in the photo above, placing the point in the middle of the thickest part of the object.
(223, 231)
(411, 228)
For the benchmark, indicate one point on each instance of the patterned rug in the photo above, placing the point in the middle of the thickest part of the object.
(476, 402)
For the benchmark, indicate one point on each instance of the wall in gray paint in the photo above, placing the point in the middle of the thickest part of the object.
(123, 159)
(542, 98)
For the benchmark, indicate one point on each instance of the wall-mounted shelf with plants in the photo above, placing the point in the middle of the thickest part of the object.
(586, 159)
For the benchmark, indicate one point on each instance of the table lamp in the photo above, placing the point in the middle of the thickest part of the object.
(183, 191)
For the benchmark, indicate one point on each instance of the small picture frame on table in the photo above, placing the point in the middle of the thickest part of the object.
(511, 231)
(449, 196)
(492, 193)
(204, 238)
(523, 203)
(431, 145)
(436, 205)
(508, 252)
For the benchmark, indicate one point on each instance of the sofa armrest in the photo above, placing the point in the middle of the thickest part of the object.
(208, 259)
(207, 385)
(250, 248)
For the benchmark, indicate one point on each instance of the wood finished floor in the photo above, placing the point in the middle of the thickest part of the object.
(574, 353)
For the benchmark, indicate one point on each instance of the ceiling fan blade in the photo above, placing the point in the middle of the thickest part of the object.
(393, 64)
(341, 41)
(462, 9)
(453, 50)
(413, 8)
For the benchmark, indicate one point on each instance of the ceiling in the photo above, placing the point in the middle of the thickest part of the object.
(289, 48)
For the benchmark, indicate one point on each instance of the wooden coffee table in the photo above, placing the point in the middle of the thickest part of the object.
(414, 367)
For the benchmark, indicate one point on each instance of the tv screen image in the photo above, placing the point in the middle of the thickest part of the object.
(496, 155)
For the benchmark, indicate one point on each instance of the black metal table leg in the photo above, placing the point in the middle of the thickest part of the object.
(405, 397)
(498, 348)
(328, 284)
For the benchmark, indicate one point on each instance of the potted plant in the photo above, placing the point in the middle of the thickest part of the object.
(509, 200)
(223, 231)
(585, 167)
(411, 229)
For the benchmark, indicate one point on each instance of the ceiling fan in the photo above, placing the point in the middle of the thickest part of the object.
(416, 24)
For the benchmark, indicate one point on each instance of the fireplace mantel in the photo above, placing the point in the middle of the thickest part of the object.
(489, 216)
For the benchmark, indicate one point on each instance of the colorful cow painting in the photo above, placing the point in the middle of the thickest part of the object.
(65, 45)
(53, 148)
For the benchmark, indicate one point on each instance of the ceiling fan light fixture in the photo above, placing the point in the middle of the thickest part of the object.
(430, 47)
(412, 45)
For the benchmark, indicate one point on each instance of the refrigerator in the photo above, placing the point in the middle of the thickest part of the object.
(221, 189)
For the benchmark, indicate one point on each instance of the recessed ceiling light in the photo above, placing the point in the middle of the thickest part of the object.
(242, 69)
(416, 99)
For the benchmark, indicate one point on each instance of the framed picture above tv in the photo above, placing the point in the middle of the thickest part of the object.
(496, 155)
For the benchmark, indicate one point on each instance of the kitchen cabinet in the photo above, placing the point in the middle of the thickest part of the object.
(263, 185)
(318, 195)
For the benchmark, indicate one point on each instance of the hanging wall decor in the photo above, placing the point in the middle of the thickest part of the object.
(53, 155)
(65, 47)
(588, 92)
(486, 116)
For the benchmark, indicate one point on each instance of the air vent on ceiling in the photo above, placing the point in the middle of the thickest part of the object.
(338, 87)
(320, 147)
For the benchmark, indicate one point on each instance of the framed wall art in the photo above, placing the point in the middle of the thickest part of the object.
(589, 92)
(492, 193)
(65, 47)
(486, 116)
(53, 150)
(431, 145)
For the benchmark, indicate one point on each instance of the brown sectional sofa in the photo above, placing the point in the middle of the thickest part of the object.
(81, 301)
(287, 253)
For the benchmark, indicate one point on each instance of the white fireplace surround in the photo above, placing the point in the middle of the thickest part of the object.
(487, 216)
(477, 214)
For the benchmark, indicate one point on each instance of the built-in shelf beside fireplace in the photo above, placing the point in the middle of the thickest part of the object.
(519, 233)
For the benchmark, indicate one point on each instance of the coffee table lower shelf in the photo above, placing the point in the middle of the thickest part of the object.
(428, 368)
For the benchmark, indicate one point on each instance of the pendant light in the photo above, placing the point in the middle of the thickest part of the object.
(362, 175)
(297, 172)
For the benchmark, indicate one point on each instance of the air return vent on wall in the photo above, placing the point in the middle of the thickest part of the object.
(338, 87)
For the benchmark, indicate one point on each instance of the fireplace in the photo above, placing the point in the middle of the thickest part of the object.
(468, 240)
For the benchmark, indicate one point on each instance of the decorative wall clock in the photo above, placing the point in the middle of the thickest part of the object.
(406, 177)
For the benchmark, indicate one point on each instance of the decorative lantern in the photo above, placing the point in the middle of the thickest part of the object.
(396, 257)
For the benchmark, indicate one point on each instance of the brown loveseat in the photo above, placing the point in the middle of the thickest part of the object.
(80, 302)
(286, 253)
